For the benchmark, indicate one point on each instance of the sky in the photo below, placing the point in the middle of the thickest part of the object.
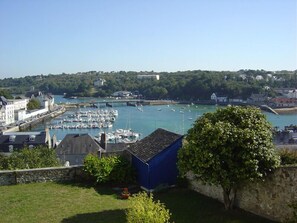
(70, 36)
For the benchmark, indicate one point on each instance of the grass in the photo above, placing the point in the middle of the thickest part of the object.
(53, 202)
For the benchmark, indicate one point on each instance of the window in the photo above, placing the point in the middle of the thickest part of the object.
(32, 138)
(12, 138)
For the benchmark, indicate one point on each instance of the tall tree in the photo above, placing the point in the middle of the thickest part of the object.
(228, 148)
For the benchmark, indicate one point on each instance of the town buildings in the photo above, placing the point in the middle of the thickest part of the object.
(15, 110)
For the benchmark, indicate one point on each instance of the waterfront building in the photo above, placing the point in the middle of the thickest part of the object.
(13, 141)
(220, 99)
(15, 110)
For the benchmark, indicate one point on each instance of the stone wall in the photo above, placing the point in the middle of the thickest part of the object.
(40, 175)
(269, 198)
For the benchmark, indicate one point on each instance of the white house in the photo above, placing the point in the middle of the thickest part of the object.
(122, 94)
(150, 76)
(213, 97)
(19, 104)
(16, 109)
(45, 100)
(6, 111)
(259, 77)
(99, 83)
(216, 98)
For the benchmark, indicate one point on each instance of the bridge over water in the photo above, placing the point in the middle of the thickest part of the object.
(115, 103)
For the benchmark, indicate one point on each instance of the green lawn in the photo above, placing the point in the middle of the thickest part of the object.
(70, 203)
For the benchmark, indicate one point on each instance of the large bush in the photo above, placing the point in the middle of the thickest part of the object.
(143, 209)
(229, 147)
(109, 169)
(26, 158)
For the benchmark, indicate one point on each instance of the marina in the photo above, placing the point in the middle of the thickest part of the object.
(140, 119)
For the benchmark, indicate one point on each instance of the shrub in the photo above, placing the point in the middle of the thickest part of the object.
(108, 169)
(33, 104)
(143, 209)
(3, 162)
(288, 156)
(26, 158)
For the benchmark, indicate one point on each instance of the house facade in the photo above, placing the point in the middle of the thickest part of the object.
(6, 111)
(218, 99)
(14, 141)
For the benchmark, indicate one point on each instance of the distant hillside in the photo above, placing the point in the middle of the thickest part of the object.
(182, 85)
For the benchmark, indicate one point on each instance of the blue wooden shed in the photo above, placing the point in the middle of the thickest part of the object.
(155, 159)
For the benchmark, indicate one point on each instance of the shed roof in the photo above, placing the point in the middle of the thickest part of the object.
(153, 144)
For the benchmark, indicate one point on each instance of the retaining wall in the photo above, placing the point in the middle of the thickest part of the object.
(40, 175)
(269, 198)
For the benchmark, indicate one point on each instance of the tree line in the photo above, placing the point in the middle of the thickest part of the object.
(181, 85)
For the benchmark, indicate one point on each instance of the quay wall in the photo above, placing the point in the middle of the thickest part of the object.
(51, 115)
(56, 174)
(270, 198)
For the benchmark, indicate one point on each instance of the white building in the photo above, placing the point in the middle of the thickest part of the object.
(259, 77)
(122, 94)
(6, 111)
(216, 98)
(291, 94)
(99, 83)
(19, 104)
(151, 76)
(45, 100)
(6, 114)
(15, 110)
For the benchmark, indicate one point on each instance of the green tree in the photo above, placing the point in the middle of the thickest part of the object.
(143, 209)
(27, 158)
(33, 104)
(6, 94)
(109, 169)
(228, 148)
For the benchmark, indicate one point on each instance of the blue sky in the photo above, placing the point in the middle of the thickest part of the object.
(55, 36)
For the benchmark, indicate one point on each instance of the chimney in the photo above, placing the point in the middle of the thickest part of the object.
(54, 141)
(48, 138)
(103, 142)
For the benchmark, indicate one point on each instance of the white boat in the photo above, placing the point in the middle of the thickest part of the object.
(121, 135)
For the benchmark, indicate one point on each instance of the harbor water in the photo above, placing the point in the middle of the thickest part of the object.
(144, 120)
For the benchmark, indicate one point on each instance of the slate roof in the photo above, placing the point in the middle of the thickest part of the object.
(21, 140)
(153, 144)
(77, 144)
(117, 147)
